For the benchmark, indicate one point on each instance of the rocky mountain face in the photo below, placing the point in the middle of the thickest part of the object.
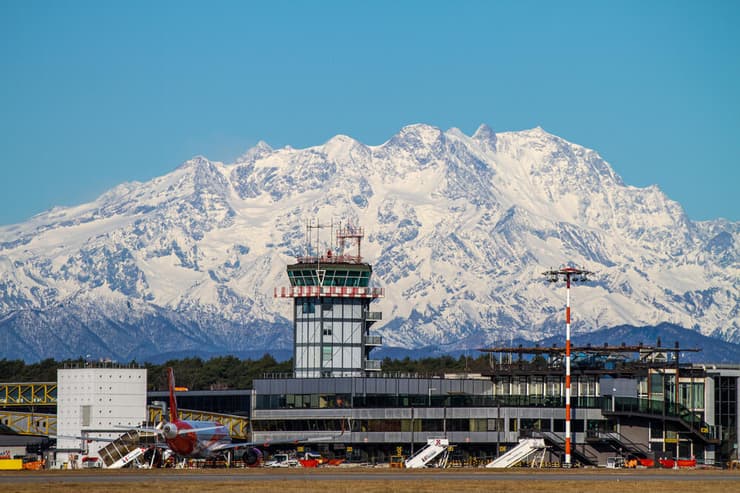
(458, 228)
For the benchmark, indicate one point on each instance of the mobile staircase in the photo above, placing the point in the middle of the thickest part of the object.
(526, 448)
(126, 449)
(424, 457)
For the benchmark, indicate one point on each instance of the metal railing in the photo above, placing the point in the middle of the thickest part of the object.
(580, 452)
(633, 405)
(374, 341)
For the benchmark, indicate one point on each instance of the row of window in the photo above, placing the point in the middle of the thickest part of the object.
(430, 425)
(331, 277)
(586, 385)
(330, 308)
(318, 401)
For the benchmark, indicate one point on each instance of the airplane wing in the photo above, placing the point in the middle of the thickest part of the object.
(85, 437)
(269, 443)
(139, 428)
(159, 431)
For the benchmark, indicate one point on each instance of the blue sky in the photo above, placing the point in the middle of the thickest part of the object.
(95, 93)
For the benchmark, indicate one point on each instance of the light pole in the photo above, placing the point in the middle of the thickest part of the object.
(429, 400)
(577, 275)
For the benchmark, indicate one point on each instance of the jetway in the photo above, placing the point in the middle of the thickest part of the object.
(526, 448)
(238, 426)
(28, 423)
(425, 456)
(28, 394)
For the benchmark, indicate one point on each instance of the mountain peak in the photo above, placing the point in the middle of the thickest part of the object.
(484, 132)
(341, 142)
(195, 162)
(262, 146)
(414, 138)
(259, 151)
(485, 135)
(538, 131)
(422, 131)
(342, 147)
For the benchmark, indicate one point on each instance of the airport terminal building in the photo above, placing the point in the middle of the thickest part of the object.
(639, 402)
(633, 409)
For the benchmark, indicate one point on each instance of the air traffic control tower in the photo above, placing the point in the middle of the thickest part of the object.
(331, 309)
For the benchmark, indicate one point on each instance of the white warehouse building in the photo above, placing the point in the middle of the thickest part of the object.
(96, 401)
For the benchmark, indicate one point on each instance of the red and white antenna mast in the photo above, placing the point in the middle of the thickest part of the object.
(577, 275)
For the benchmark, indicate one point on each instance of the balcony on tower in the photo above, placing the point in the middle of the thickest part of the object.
(374, 341)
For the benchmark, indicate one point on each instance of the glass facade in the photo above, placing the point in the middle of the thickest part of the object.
(350, 276)
(236, 402)
(330, 336)
(726, 413)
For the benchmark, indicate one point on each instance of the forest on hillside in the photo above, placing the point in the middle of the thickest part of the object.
(227, 372)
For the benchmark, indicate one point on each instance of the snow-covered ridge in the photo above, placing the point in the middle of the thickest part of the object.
(459, 229)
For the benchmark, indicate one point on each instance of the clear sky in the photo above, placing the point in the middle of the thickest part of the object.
(96, 93)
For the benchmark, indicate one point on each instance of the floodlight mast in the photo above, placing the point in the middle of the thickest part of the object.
(565, 273)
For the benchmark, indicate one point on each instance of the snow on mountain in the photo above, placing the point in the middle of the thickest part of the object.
(459, 230)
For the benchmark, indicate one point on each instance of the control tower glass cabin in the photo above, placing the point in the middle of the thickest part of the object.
(331, 312)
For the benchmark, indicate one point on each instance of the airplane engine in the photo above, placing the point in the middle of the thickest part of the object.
(252, 457)
(170, 431)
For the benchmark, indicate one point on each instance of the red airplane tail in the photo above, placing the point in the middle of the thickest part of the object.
(173, 399)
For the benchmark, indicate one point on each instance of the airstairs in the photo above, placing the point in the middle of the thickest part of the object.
(126, 448)
(425, 456)
(581, 454)
(626, 444)
(526, 448)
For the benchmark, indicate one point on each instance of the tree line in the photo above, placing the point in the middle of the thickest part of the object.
(228, 372)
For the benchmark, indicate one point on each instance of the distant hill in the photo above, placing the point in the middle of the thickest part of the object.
(713, 350)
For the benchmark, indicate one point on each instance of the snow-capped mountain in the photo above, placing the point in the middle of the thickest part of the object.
(458, 228)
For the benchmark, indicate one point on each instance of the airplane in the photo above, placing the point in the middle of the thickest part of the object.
(209, 439)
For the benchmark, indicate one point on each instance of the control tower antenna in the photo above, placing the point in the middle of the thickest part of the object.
(320, 273)
(577, 275)
(353, 235)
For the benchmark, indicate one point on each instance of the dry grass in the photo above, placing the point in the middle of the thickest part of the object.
(289, 482)
(383, 486)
